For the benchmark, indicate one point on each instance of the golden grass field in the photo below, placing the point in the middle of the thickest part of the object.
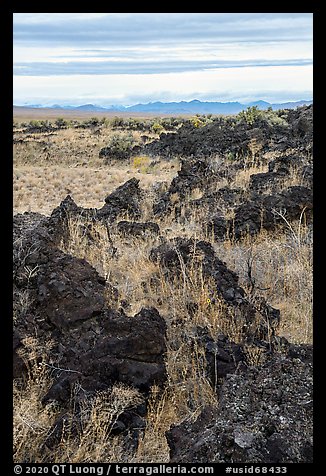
(46, 169)
(49, 167)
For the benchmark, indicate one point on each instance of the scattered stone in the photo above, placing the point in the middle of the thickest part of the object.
(264, 416)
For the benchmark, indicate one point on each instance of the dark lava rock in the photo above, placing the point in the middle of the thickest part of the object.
(32, 241)
(128, 228)
(69, 290)
(175, 254)
(64, 427)
(231, 137)
(63, 289)
(126, 350)
(163, 205)
(232, 140)
(212, 202)
(264, 212)
(69, 209)
(118, 151)
(285, 163)
(219, 226)
(250, 218)
(131, 351)
(264, 416)
(271, 181)
(223, 357)
(279, 171)
(125, 199)
(194, 173)
(301, 121)
(292, 201)
(220, 136)
(307, 175)
(91, 343)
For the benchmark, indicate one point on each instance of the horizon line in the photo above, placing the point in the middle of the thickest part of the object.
(57, 103)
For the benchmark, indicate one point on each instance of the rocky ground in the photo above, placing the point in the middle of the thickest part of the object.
(101, 361)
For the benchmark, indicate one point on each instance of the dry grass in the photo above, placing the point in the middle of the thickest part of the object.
(281, 265)
(26, 114)
(48, 167)
(242, 178)
(43, 188)
(71, 147)
(86, 442)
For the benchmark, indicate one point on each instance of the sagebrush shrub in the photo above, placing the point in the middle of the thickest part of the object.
(119, 147)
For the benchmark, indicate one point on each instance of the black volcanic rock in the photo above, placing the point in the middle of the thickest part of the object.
(228, 136)
(128, 350)
(264, 212)
(125, 199)
(218, 137)
(264, 416)
(91, 343)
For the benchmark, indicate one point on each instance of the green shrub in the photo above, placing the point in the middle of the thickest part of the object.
(171, 123)
(230, 156)
(39, 126)
(201, 120)
(157, 127)
(34, 124)
(119, 147)
(273, 118)
(250, 115)
(61, 123)
(141, 163)
(116, 122)
(93, 122)
(197, 122)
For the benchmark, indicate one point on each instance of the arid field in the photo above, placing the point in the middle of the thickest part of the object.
(189, 241)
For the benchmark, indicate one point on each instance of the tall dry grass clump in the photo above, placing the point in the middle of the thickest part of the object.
(52, 433)
(278, 266)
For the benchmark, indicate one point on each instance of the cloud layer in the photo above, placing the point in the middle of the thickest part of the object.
(142, 67)
(131, 45)
(159, 28)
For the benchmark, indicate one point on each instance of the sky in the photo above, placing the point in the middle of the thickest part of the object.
(128, 58)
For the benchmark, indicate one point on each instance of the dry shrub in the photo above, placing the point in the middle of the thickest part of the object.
(88, 440)
(281, 271)
(32, 421)
(94, 442)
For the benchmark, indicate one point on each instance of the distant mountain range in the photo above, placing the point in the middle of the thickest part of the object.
(182, 107)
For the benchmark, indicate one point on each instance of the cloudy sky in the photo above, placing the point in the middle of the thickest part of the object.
(126, 58)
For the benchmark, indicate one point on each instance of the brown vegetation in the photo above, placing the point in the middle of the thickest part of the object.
(273, 264)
